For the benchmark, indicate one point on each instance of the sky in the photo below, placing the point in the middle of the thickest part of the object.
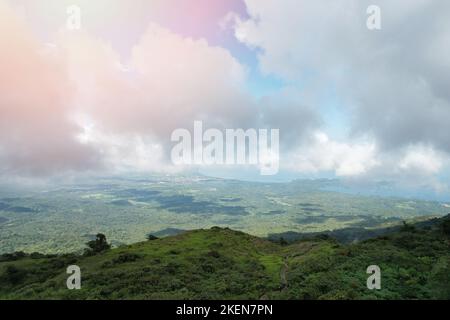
(350, 102)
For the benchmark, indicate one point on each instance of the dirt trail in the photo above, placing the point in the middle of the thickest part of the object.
(284, 284)
(283, 279)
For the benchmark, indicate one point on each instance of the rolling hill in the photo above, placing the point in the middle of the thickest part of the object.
(220, 263)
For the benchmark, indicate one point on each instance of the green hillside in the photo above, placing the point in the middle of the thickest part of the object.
(225, 264)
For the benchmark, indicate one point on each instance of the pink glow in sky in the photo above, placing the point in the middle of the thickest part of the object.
(347, 101)
(123, 22)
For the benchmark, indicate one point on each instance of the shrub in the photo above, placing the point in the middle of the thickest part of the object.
(151, 237)
(126, 257)
(282, 241)
(407, 227)
(214, 254)
(37, 255)
(13, 275)
(12, 256)
(98, 245)
(445, 227)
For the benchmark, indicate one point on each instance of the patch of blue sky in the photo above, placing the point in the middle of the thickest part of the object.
(257, 84)
(335, 118)
(334, 115)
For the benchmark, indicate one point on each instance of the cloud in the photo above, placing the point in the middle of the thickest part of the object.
(181, 80)
(170, 82)
(86, 107)
(361, 160)
(74, 105)
(121, 23)
(345, 159)
(36, 134)
(80, 103)
(393, 82)
(422, 159)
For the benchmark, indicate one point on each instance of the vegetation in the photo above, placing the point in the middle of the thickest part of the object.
(151, 237)
(98, 245)
(62, 218)
(224, 264)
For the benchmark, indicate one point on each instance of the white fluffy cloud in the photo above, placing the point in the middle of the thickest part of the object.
(343, 158)
(78, 103)
(88, 107)
(422, 159)
(168, 83)
(393, 82)
(36, 134)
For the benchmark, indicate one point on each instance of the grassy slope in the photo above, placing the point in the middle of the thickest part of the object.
(225, 264)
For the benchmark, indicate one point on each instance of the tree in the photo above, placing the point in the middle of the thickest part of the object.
(446, 227)
(283, 241)
(407, 227)
(98, 245)
(151, 237)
